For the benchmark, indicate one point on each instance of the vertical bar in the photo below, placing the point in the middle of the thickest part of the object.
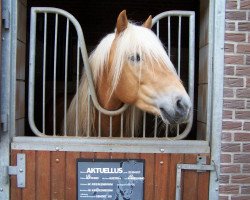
(54, 80)
(178, 183)
(179, 47)
(99, 124)
(155, 127)
(144, 125)
(158, 29)
(177, 129)
(166, 130)
(88, 110)
(169, 36)
(44, 66)
(110, 126)
(66, 77)
(77, 87)
(133, 122)
(122, 121)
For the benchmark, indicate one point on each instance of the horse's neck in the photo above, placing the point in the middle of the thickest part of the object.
(109, 102)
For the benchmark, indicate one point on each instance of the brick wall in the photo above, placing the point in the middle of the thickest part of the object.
(235, 152)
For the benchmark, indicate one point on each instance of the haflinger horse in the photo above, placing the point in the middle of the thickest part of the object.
(130, 66)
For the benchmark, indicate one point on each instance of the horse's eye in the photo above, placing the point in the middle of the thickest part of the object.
(135, 58)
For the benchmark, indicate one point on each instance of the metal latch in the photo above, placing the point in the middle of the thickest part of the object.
(4, 122)
(6, 18)
(200, 166)
(19, 170)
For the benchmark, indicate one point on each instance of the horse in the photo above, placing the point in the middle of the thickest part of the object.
(129, 66)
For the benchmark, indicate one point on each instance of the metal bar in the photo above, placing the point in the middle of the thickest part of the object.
(54, 80)
(99, 123)
(169, 36)
(88, 110)
(177, 130)
(44, 67)
(144, 125)
(155, 126)
(66, 77)
(122, 121)
(133, 122)
(179, 47)
(77, 87)
(166, 131)
(110, 126)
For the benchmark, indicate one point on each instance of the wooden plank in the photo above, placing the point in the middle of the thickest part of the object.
(132, 155)
(15, 192)
(71, 174)
(203, 183)
(87, 155)
(43, 175)
(117, 155)
(161, 176)
(174, 160)
(189, 178)
(57, 175)
(149, 175)
(30, 189)
(102, 155)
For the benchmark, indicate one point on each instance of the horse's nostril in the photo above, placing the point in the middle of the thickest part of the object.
(180, 104)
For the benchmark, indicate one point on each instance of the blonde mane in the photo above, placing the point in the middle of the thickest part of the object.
(133, 40)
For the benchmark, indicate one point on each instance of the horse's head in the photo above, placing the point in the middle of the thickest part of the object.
(142, 74)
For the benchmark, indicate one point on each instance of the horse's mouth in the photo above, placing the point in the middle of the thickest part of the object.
(167, 117)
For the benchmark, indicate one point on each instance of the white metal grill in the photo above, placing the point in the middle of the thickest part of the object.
(41, 20)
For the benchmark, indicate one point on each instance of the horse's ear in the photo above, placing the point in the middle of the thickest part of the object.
(148, 22)
(122, 22)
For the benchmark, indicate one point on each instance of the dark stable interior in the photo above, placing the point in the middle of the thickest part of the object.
(98, 18)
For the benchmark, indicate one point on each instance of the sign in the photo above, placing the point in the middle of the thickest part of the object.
(110, 179)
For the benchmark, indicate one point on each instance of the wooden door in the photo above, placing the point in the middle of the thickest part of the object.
(52, 175)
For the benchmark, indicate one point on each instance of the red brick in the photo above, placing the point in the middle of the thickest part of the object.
(245, 4)
(242, 114)
(227, 114)
(240, 197)
(226, 137)
(244, 26)
(230, 26)
(230, 125)
(242, 179)
(229, 189)
(243, 93)
(246, 168)
(225, 158)
(228, 70)
(248, 58)
(223, 197)
(231, 4)
(235, 15)
(230, 147)
(228, 92)
(248, 82)
(233, 82)
(242, 136)
(227, 169)
(233, 104)
(246, 147)
(241, 158)
(242, 71)
(235, 37)
(248, 104)
(234, 59)
(243, 48)
(224, 179)
(245, 189)
(246, 126)
(229, 48)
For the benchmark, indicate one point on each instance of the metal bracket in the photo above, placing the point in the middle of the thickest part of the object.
(6, 18)
(200, 167)
(19, 170)
(4, 122)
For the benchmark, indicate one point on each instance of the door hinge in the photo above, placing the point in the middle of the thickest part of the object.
(19, 170)
(4, 122)
(200, 166)
(6, 18)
